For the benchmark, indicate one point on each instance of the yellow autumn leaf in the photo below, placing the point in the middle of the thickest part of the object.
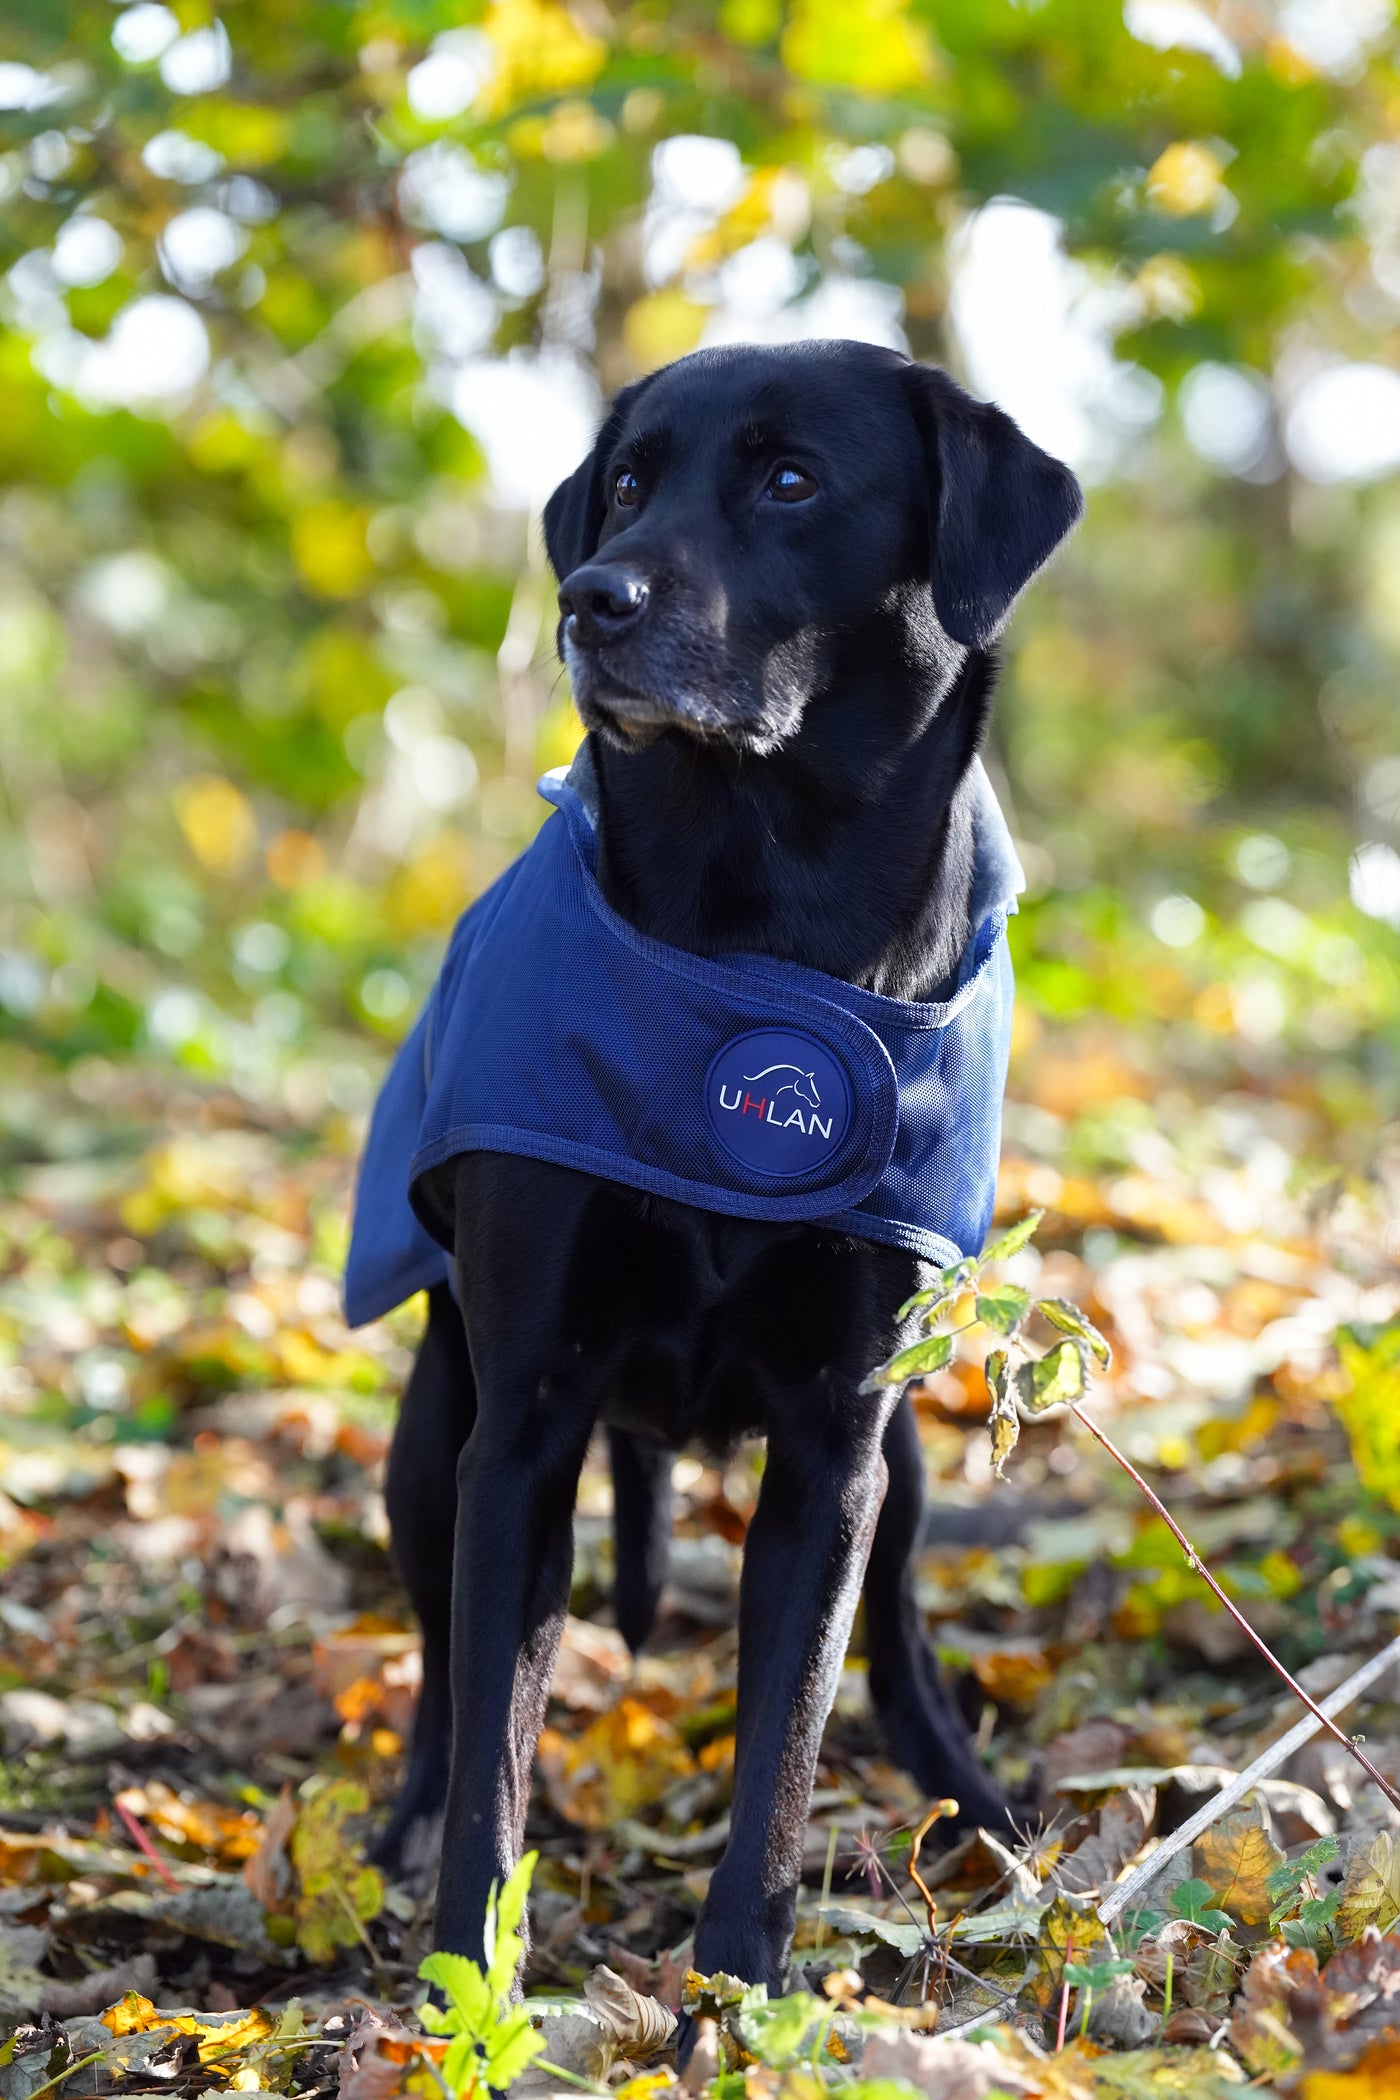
(226, 2037)
(1236, 1856)
(220, 2034)
(575, 131)
(874, 49)
(559, 735)
(1371, 1890)
(218, 822)
(336, 1890)
(1375, 2077)
(132, 2014)
(1171, 2073)
(431, 889)
(541, 49)
(1369, 1405)
(661, 326)
(622, 1762)
(1185, 179)
(1069, 1931)
(330, 547)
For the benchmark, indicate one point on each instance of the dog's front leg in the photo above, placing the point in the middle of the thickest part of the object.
(512, 1561)
(803, 1562)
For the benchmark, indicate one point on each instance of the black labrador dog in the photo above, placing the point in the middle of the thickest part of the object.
(782, 574)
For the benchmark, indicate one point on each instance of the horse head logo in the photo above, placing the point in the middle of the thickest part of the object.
(803, 1085)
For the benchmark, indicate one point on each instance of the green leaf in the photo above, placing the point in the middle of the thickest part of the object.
(931, 1354)
(469, 1995)
(950, 1283)
(1003, 1307)
(775, 2032)
(1014, 1238)
(931, 1302)
(514, 2045)
(1294, 1872)
(1005, 1423)
(504, 1910)
(493, 2040)
(1313, 1925)
(461, 2067)
(1096, 1976)
(1070, 1320)
(1195, 1901)
(1053, 1381)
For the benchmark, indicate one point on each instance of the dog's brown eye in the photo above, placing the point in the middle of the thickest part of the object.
(791, 485)
(627, 488)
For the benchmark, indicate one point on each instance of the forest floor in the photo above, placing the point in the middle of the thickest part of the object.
(207, 1669)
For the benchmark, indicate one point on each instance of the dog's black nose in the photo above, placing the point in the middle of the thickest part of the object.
(601, 603)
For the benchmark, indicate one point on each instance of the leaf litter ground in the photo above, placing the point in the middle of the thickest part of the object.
(207, 1670)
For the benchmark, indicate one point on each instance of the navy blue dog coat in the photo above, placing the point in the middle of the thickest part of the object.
(756, 1088)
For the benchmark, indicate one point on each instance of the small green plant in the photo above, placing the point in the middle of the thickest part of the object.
(492, 2039)
(781, 2031)
(1093, 1978)
(1300, 1913)
(1056, 1378)
(1196, 1902)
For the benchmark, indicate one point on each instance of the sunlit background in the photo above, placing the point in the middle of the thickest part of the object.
(307, 307)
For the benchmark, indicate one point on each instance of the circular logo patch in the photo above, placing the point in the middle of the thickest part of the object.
(778, 1101)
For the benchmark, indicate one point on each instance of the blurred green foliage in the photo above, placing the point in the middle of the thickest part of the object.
(276, 649)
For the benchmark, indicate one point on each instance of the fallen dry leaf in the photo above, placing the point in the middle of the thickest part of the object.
(1119, 1829)
(1236, 1856)
(336, 1891)
(1374, 2076)
(1278, 1979)
(623, 1761)
(1069, 1931)
(640, 2025)
(1371, 1888)
(268, 1871)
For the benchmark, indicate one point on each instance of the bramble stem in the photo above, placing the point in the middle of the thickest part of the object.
(1194, 1560)
(1065, 1994)
(143, 1844)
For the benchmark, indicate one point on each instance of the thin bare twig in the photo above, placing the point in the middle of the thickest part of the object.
(143, 1844)
(937, 1814)
(1194, 1558)
(83, 2064)
(1064, 1995)
(1120, 1897)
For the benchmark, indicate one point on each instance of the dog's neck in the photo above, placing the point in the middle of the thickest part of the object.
(849, 849)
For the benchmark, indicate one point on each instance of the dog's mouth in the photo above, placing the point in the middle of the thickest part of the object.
(633, 716)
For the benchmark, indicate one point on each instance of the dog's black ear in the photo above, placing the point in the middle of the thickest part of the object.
(574, 514)
(998, 506)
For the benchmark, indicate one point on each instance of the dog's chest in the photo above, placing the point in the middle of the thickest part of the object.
(697, 1320)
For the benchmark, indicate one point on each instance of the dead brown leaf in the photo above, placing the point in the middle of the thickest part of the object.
(1236, 1856)
(623, 1761)
(268, 1872)
(1371, 1890)
(1119, 1828)
(1069, 1931)
(1261, 2030)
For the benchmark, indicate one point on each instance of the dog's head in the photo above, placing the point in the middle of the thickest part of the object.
(750, 519)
